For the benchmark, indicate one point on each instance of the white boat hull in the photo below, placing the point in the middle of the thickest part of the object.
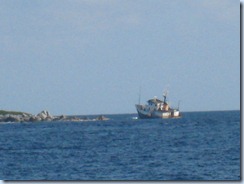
(143, 113)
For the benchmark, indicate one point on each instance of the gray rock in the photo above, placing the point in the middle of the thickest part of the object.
(49, 119)
(12, 118)
(62, 117)
(44, 115)
(85, 119)
(25, 115)
(33, 119)
(72, 119)
(101, 118)
(59, 118)
(26, 119)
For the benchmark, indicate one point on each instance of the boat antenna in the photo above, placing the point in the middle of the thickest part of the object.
(178, 104)
(139, 100)
(165, 93)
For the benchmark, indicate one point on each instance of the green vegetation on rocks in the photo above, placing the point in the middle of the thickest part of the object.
(3, 112)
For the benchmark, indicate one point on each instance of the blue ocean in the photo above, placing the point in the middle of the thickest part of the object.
(198, 146)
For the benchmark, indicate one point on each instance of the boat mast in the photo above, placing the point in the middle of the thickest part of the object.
(139, 100)
(164, 96)
(178, 105)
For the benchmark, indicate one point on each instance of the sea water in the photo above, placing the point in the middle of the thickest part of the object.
(198, 146)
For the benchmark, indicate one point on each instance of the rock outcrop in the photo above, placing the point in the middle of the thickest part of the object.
(101, 118)
(45, 116)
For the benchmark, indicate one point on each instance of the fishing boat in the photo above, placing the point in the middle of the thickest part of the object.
(157, 108)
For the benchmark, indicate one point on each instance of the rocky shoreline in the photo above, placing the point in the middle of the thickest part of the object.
(45, 116)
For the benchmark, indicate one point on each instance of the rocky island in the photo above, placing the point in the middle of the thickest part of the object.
(13, 116)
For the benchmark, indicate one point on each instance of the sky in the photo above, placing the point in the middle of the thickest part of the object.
(92, 56)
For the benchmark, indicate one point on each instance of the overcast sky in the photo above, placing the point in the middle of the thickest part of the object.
(92, 56)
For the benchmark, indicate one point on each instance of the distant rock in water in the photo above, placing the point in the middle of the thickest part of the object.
(85, 119)
(65, 118)
(101, 118)
(60, 118)
(11, 116)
